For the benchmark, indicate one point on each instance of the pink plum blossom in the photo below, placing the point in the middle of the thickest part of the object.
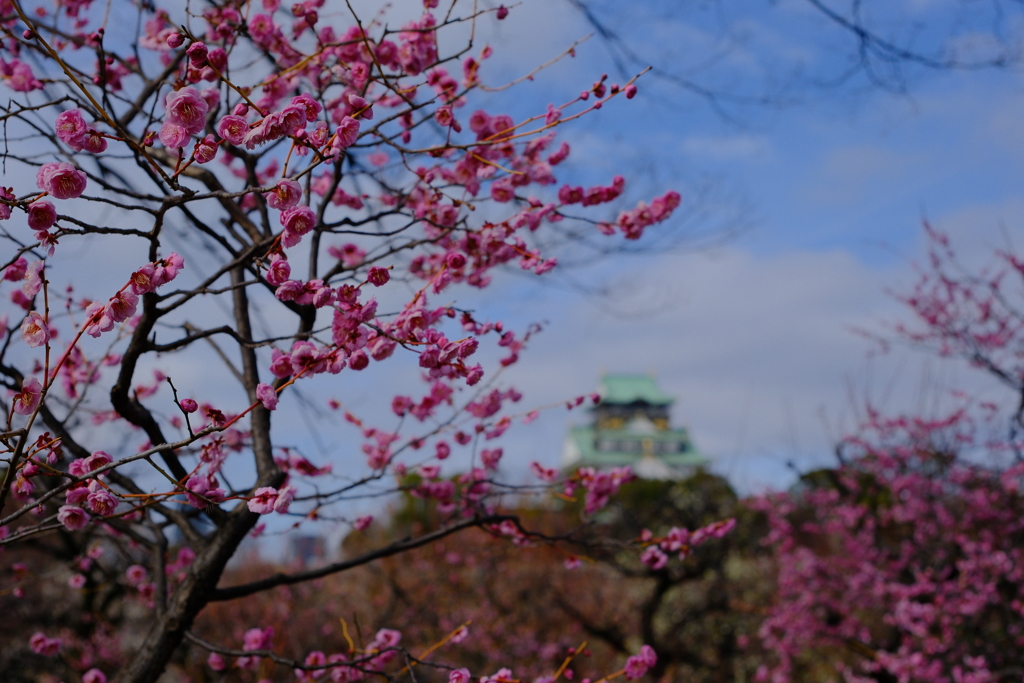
(284, 499)
(153, 275)
(347, 132)
(654, 558)
(638, 664)
(41, 215)
(33, 278)
(197, 53)
(94, 676)
(61, 180)
(260, 114)
(206, 150)
(41, 645)
(262, 501)
(34, 330)
(96, 460)
(173, 135)
(73, 518)
(27, 400)
(285, 194)
(166, 269)
(297, 221)
(98, 319)
(16, 271)
(378, 277)
(135, 574)
(121, 306)
(216, 662)
(278, 272)
(71, 128)
(233, 129)
(94, 142)
(502, 676)
(102, 502)
(187, 108)
(309, 105)
(267, 396)
(205, 486)
(21, 77)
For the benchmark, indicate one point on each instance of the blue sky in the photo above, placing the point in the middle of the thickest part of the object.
(755, 336)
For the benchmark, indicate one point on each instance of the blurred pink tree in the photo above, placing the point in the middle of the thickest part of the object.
(906, 562)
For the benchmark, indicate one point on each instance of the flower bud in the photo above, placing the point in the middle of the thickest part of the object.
(197, 53)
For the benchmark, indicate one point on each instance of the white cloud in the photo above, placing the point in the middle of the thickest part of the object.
(847, 174)
(728, 148)
(760, 352)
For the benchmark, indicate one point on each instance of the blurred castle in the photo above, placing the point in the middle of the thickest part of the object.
(308, 549)
(631, 427)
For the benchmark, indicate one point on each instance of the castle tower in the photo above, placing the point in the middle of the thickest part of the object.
(630, 426)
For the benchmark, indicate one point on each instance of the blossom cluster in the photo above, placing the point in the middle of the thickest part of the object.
(681, 541)
(313, 167)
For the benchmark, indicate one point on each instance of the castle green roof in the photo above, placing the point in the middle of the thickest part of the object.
(615, 447)
(626, 389)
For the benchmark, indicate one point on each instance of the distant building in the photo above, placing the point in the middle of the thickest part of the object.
(631, 427)
(308, 549)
